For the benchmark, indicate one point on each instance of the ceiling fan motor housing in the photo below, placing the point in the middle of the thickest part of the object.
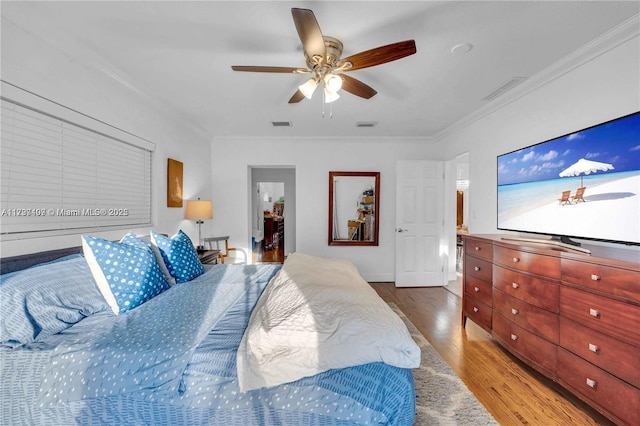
(333, 51)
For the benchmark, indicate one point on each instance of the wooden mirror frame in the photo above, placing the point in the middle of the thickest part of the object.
(376, 209)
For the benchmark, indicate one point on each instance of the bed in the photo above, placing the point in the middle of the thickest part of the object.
(234, 345)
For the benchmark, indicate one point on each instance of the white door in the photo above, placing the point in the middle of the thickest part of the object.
(419, 223)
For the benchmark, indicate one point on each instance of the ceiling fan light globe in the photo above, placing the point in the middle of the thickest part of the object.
(330, 96)
(308, 88)
(332, 83)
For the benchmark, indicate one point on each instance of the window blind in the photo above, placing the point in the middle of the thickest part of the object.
(61, 177)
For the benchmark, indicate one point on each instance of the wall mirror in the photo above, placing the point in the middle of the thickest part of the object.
(354, 199)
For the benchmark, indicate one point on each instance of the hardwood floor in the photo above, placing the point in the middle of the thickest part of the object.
(273, 255)
(512, 392)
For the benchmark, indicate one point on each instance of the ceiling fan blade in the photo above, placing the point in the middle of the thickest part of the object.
(356, 87)
(380, 55)
(309, 32)
(286, 70)
(297, 97)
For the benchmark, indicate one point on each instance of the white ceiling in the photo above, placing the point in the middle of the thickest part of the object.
(180, 54)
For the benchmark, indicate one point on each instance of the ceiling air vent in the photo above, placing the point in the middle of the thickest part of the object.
(504, 88)
(366, 124)
(281, 124)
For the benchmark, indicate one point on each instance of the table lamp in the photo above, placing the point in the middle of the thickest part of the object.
(199, 210)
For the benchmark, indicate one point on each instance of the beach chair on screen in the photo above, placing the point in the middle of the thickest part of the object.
(566, 198)
(579, 194)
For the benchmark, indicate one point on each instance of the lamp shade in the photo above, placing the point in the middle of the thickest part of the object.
(330, 96)
(308, 88)
(332, 83)
(198, 210)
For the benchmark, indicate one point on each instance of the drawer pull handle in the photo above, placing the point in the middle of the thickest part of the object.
(514, 311)
(594, 313)
(475, 309)
(514, 337)
(477, 268)
(516, 259)
(476, 289)
(593, 348)
(591, 383)
(595, 277)
(478, 248)
(515, 285)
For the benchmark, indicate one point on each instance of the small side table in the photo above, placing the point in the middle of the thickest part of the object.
(209, 257)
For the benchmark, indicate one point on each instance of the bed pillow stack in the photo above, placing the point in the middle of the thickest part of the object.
(179, 256)
(126, 272)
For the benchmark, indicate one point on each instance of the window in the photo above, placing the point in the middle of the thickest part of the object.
(60, 176)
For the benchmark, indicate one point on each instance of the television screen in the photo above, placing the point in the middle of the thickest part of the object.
(584, 185)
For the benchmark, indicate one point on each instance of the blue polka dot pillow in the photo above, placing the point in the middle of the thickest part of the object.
(179, 256)
(127, 272)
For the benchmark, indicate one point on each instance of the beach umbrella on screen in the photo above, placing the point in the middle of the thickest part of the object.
(584, 167)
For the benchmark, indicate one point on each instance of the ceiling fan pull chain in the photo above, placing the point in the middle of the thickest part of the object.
(323, 103)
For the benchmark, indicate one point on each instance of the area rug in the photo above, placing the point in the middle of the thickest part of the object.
(442, 398)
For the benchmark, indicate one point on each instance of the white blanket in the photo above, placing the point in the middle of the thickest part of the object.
(318, 314)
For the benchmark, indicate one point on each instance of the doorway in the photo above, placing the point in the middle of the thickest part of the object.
(269, 244)
(457, 219)
(272, 213)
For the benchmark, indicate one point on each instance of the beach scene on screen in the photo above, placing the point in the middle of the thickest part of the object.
(604, 161)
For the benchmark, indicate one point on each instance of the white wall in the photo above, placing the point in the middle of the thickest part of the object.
(48, 71)
(313, 159)
(605, 87)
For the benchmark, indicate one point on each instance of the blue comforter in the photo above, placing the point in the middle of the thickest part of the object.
(145, 352)
(173, 361)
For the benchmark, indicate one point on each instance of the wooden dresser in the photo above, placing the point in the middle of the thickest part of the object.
(571, 316)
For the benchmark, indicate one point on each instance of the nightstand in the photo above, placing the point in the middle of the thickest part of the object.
(209, 257)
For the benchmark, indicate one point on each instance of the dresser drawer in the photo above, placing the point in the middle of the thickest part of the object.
(479, 289)
(549, 266)
(533, 290)
(618, 358)
(600, 387)
(478, 248)
(480, 313)
(536, 320)
(533, 348)
(611, 317)
(478, 268)
(617, 282)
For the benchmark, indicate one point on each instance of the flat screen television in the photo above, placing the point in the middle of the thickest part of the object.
(539, 187)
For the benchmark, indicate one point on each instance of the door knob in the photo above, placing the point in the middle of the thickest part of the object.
(401, 230)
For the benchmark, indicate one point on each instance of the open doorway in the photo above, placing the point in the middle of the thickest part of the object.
(272, 210)
(462, 210)
(269, 246)
(457, 219)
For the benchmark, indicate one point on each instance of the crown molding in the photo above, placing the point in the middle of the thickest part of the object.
(608, 41)
(311, 139)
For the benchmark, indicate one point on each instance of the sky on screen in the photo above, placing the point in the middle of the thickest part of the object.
(616, 142)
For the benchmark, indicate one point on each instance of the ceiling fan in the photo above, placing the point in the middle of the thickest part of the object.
(326, 67)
